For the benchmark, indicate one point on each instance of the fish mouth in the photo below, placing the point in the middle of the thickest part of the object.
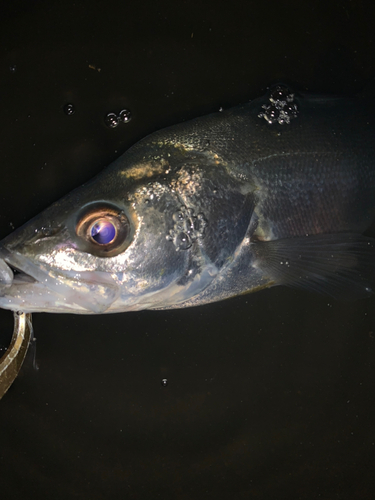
(19, 276)
(33, 287)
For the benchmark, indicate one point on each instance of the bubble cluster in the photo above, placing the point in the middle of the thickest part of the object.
(112, 120)
(187, 228)
(281, 108)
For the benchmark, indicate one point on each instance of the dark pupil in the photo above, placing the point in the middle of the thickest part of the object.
(103, 232)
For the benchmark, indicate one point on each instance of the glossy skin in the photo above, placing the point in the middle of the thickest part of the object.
(191, 200)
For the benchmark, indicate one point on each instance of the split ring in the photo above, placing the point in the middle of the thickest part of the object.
(11, 361)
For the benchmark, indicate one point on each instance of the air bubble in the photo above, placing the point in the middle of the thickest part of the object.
(69, 109)
(281, 93)
(125, 116)
(13, 68)
(164, 382)
(111, 120)
(273, 113)
(289, 109)
(182, 241)
(178, 216)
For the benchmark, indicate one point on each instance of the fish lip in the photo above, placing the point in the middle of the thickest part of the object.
(11, 274)
(19, 271)
(87, 292)
(19, 276)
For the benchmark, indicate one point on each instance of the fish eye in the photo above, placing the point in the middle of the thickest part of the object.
(103, 230)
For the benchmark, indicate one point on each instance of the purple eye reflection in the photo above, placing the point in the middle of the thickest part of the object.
(103, 231)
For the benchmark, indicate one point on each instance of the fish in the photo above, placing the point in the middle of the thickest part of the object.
(277, 191)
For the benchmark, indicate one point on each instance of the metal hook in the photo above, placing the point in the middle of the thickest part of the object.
(11, 361)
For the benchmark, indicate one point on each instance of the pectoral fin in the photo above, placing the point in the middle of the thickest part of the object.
(340, 265)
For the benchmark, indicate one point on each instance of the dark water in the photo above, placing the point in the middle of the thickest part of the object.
(268, 396)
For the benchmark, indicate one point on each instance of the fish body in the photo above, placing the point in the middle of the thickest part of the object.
(277, 191)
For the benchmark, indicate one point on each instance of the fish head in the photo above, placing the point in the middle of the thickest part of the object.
(151, 231)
